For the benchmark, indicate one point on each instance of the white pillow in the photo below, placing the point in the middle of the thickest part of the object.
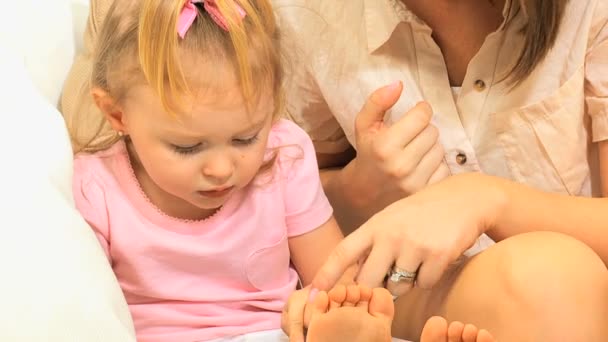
(41, 32)
(56, 282)
(80, 16)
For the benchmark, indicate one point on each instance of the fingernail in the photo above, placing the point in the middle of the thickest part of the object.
(394, 85)
(312, 294)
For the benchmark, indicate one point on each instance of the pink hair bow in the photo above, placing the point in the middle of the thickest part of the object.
(189, 12)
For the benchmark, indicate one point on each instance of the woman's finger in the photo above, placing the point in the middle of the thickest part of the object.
(406, 161)
(431, 271)
(410, 125)
(428, 165)
(372, 114)
(441, 173)
(347, 253)
(404, 273)
(375, 267)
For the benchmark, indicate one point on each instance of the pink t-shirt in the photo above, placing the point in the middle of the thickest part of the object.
(198, 280)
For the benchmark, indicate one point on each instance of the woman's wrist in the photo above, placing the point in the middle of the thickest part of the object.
(497, 196)
(346, 196)
(342, 187)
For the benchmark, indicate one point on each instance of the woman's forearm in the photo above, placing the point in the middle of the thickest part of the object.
(527, 209)
(344, 199)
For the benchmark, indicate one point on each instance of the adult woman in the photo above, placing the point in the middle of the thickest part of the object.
(518, 90)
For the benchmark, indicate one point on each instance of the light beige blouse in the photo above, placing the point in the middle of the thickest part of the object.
(539, 133)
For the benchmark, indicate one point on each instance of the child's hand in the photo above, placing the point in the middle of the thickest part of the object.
(295, 317)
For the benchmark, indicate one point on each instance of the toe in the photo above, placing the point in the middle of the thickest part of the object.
(435, 330)
(455, 331)
(365, 297)
(485, 336)
(337, 296)
(470, 333)
(381, 304)
(353, 294)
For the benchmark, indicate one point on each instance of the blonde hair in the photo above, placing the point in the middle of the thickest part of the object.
(138, 43)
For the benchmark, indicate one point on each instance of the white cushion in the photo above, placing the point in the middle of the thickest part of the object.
(56, 282)
(80, 15)
(41, 32)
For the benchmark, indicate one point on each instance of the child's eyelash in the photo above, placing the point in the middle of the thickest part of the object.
(186, 149)
(245, 142)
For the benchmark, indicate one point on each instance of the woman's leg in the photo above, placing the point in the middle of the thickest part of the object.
(538, 286)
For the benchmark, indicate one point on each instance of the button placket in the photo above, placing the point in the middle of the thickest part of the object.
(435, 87)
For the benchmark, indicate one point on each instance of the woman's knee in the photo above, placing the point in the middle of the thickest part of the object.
(558, 283)
(543, 265)
(549, 285)
(543, 283)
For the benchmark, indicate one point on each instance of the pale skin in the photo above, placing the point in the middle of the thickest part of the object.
(411, 234)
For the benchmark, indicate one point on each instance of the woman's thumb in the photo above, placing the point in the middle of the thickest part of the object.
(376, 106)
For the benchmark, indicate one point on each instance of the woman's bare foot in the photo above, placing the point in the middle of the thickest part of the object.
(354, 314)
(436, 329)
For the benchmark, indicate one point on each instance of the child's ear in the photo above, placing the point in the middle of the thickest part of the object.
(110, 108)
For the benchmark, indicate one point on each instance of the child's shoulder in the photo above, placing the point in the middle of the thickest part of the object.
(293, 148)
(285, 133)
(99, 165)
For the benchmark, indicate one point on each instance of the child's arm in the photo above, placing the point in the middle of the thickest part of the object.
(312, 230)
(309, 251)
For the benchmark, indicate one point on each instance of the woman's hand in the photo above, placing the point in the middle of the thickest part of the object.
(420, 234)
(393, 161)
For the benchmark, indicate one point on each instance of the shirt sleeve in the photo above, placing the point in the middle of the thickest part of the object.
(596, 74)
(306, 206)
(305, 102)
(90, 201)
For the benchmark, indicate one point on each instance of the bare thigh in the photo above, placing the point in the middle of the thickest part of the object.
(534, 284)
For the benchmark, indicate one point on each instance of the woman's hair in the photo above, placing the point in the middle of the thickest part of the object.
(543, 19)
(139, 44)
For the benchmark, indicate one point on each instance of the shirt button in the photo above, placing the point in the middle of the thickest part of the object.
(480, 85)
(461, 158)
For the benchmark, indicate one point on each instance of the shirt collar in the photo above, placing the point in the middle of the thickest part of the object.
(383, 16)
(381, 19)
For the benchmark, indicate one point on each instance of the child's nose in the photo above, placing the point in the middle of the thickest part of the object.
(218, 169)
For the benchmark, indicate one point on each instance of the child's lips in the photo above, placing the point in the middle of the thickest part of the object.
(215, 193)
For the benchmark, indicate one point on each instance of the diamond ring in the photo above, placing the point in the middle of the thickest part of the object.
(397, 275)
